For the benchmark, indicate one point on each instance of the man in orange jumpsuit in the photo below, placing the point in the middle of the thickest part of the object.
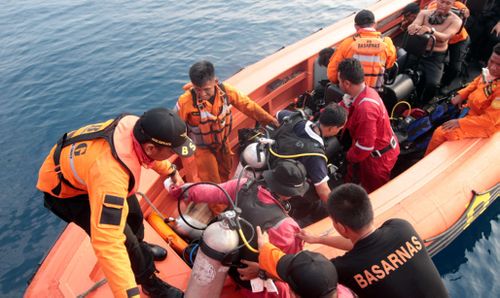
(483, 102)
(206, 109)
(376, 53)
(90, 177)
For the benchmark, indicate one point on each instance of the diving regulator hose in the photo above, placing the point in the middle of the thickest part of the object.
(233, 207)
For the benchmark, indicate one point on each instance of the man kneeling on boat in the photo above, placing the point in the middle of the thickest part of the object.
(261, 204)
(390, 261)
(482, 107)
(90, 177)
(303, 140)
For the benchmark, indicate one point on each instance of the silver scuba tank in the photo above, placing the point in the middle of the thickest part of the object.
(208, 273)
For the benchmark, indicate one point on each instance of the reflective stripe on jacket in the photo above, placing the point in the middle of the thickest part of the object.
(368, 124)
(214, 125)
(483, 100)
(209, 124)
(376, 54)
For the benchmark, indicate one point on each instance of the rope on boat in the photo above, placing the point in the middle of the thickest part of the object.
(151, 204)
(93, 288)
(479, 203)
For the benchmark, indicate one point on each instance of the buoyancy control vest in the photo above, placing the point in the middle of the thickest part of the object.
(258, 214)
(370, 51)
(116, 132)
(288, 144)
(212, 130)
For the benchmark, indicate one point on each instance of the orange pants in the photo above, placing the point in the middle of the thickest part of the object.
(441, 135)
(214, 167)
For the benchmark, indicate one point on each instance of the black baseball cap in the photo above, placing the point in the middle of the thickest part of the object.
(308, 273)
(164, 127)
(364, 17)
(287, 178)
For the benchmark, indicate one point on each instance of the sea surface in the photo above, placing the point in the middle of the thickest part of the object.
(66, 63)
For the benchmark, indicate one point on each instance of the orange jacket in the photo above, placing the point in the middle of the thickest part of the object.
(210, 125)
(91, 167)
(376, 54)
(462, 34)
(483, 100)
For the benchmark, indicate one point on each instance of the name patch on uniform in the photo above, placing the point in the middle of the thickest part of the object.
(391, 263)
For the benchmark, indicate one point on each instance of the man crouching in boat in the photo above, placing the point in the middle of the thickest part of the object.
(261, 204)
(375, 149)
(482, 107)
(390, 261)
(301, 139)
(90, 177)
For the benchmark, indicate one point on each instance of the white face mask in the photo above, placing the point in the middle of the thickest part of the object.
(486, 75)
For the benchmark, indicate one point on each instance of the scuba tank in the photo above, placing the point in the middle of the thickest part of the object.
(209, 272)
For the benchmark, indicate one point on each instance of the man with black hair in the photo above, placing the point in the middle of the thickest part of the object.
(409, 13)
(442, 25)
(376, 53)
(324, 56)
(206, 109)
(375, 149)
(390, 261)
(299, 136)
(482, 99)
(262, 203)
(90, 178)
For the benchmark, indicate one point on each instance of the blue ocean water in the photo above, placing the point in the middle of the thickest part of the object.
(64, 64)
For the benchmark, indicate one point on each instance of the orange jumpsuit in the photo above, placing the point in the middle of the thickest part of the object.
(376, 54)
(483, 118)
(213, 155)
(91, 167)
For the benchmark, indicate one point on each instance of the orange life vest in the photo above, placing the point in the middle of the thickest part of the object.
(212, 130)
(370, 51)
(117, 132)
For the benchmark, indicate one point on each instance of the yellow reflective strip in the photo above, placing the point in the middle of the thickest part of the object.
(480, 201)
